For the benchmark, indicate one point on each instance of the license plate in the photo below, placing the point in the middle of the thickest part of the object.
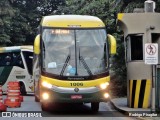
(76, 96)
(12, 100)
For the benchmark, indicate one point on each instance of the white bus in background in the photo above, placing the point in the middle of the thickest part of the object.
(16, 65)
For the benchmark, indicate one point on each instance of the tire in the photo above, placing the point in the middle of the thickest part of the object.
(49, 106)
(22, 89)
(80, 103)
(37, 99)
(95, 106)
(45, 106)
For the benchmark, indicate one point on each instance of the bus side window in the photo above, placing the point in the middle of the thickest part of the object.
(8, 60)
(17, 60)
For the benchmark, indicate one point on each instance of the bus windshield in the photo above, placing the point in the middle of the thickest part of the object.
(69, 52)
(11, 59)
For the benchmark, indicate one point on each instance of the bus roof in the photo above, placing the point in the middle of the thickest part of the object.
(16, 48)
(69, 21)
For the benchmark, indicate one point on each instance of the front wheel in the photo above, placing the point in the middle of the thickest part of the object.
(37, 99)
(95, 106)
(44, 106)
(47, 106)
(22, 89)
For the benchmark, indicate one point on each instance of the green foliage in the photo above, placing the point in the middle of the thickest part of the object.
(28, 15)
(6, 14)
(19, 19)
(157, 6)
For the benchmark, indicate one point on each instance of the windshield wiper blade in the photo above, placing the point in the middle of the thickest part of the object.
(85, 65)
(65, 65)
(44, 49)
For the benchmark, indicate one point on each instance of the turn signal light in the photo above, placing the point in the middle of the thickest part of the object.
(47, 85)
(104, 85)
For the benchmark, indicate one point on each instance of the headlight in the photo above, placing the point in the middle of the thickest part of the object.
(45, 96)
(104, 85)
(47, 85)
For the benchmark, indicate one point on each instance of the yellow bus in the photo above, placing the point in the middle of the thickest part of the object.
(71, 60)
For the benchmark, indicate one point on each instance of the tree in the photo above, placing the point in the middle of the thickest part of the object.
(27, 18)
(6, 14)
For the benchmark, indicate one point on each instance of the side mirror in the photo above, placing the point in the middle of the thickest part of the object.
(37, 44)
(113, 44)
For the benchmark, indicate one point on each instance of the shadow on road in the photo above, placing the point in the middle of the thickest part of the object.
(70, 109)
(76, 110)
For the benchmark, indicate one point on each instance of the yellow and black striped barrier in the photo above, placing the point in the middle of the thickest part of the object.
(139, 93)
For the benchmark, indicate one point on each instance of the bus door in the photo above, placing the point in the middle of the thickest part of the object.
(28, 62)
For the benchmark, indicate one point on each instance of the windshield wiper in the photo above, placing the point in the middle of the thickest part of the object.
(85, 64)
(44, 49)
(65, 65)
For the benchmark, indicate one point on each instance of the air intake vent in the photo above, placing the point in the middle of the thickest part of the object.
(149, 6)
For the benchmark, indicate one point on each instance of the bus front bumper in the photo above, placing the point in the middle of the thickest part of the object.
(74, 95)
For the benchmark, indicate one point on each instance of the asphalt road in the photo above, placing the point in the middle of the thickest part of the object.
(67, 111)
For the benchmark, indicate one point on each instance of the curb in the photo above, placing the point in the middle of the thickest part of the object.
(120, 110)
(125, 112)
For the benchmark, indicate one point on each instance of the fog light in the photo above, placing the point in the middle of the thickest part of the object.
(104, 85)
(106, 95)
(45, 96)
